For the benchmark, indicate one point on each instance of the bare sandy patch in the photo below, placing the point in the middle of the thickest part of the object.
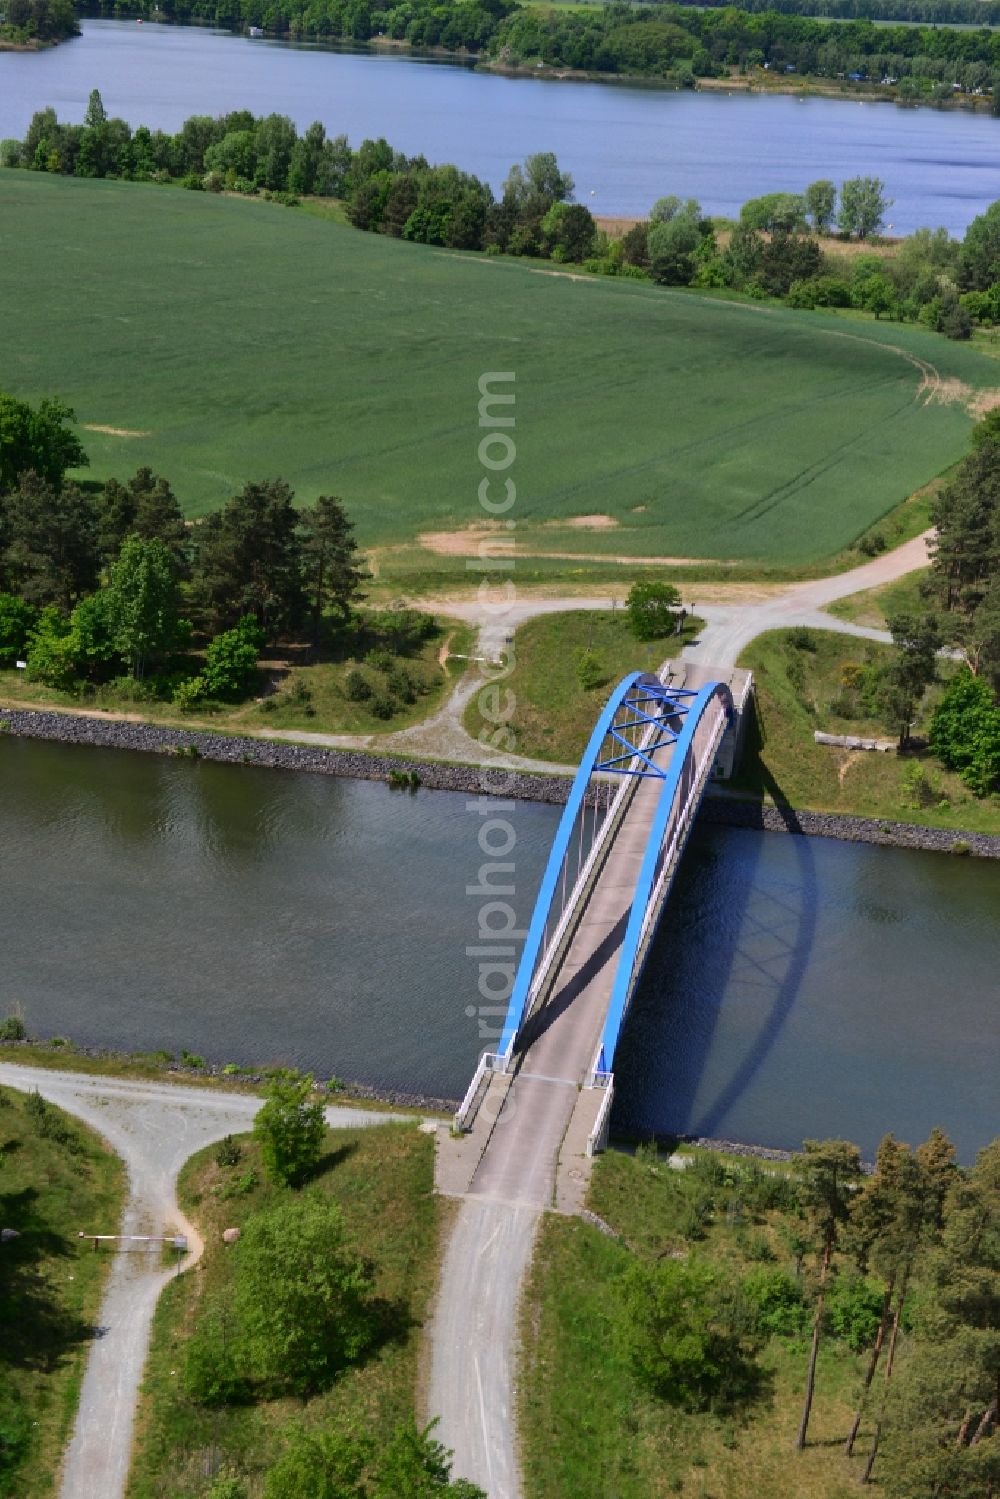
(952, 392)
(587, 522)
(983, 402)
(467, 542)
(462, 543)
(566, 275)
(114, 431)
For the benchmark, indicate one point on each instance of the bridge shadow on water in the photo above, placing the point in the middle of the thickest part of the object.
(721, 983)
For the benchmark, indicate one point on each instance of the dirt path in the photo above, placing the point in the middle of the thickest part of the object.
(154, 1127)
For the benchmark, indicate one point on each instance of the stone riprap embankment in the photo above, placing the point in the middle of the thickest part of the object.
(233, 749)
(732, 811)
(720, 806)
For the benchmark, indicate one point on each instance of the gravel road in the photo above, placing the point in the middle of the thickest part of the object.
(734, 615)
(154, 1127)
(474, 1344)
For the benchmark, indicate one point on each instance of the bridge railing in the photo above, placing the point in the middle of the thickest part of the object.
(598, 1137)
(467, 1110)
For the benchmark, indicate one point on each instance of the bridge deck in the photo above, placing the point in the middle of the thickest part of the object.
(557, 1044)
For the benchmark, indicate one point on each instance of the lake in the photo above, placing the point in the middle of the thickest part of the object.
(257, 916)
(625, 144)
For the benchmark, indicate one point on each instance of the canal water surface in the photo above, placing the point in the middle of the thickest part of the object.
(799, 987)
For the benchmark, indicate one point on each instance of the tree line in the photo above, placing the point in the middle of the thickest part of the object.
(38, 21)
(99, 583)
(921, 12)
(773, 249)
(675, 42)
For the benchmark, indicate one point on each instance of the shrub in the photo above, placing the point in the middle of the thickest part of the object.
(227, 1488)
(650, 609)
(777, 1300)
(919, 790)
(872, 544)
(229, 1153)
(210, 1374)
(801, 638)
(589, 671)
(401, 685)
(681, 1326)
(382, 705)
(357, 686)
(17, 619)
(965, 732)
(12, 1028)
(380, 659)
(241, 1187)
(756, 1247)
(300, 694)
(188, 694)
(301, 1294)
(819, 291)
(191, 1059)
(854, 1307)
(231, 659)
(290, 1128)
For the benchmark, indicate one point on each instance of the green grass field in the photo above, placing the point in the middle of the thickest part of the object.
(56, 1177)
(239, 339)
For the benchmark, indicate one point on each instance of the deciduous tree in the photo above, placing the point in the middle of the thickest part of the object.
(863, 207)
(290, 1128)
(301, 1295)
(651, 610)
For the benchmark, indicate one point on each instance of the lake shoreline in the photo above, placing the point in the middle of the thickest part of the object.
(762, 84)
(721, 806)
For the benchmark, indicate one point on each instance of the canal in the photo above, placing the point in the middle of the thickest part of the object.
(799, 987)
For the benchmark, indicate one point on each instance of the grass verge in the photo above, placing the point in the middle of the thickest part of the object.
(382, 1180)
(57, 1177)
(802, 688)
(554, 713)
(591, 1429)
(873, 606)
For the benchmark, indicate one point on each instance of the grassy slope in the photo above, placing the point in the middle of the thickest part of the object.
(589, 1429)
(51, 1288)
(554, 715)
(873, 606)
(249, 340)
(272, 703)
(794, 690)
(383, 1181)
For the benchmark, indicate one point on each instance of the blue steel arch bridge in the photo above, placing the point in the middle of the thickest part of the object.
(548, 1088)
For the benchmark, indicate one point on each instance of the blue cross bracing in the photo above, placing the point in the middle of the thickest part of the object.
(648, 704)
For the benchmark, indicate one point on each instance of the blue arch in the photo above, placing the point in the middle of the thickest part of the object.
(647, 874)
(536, 931)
